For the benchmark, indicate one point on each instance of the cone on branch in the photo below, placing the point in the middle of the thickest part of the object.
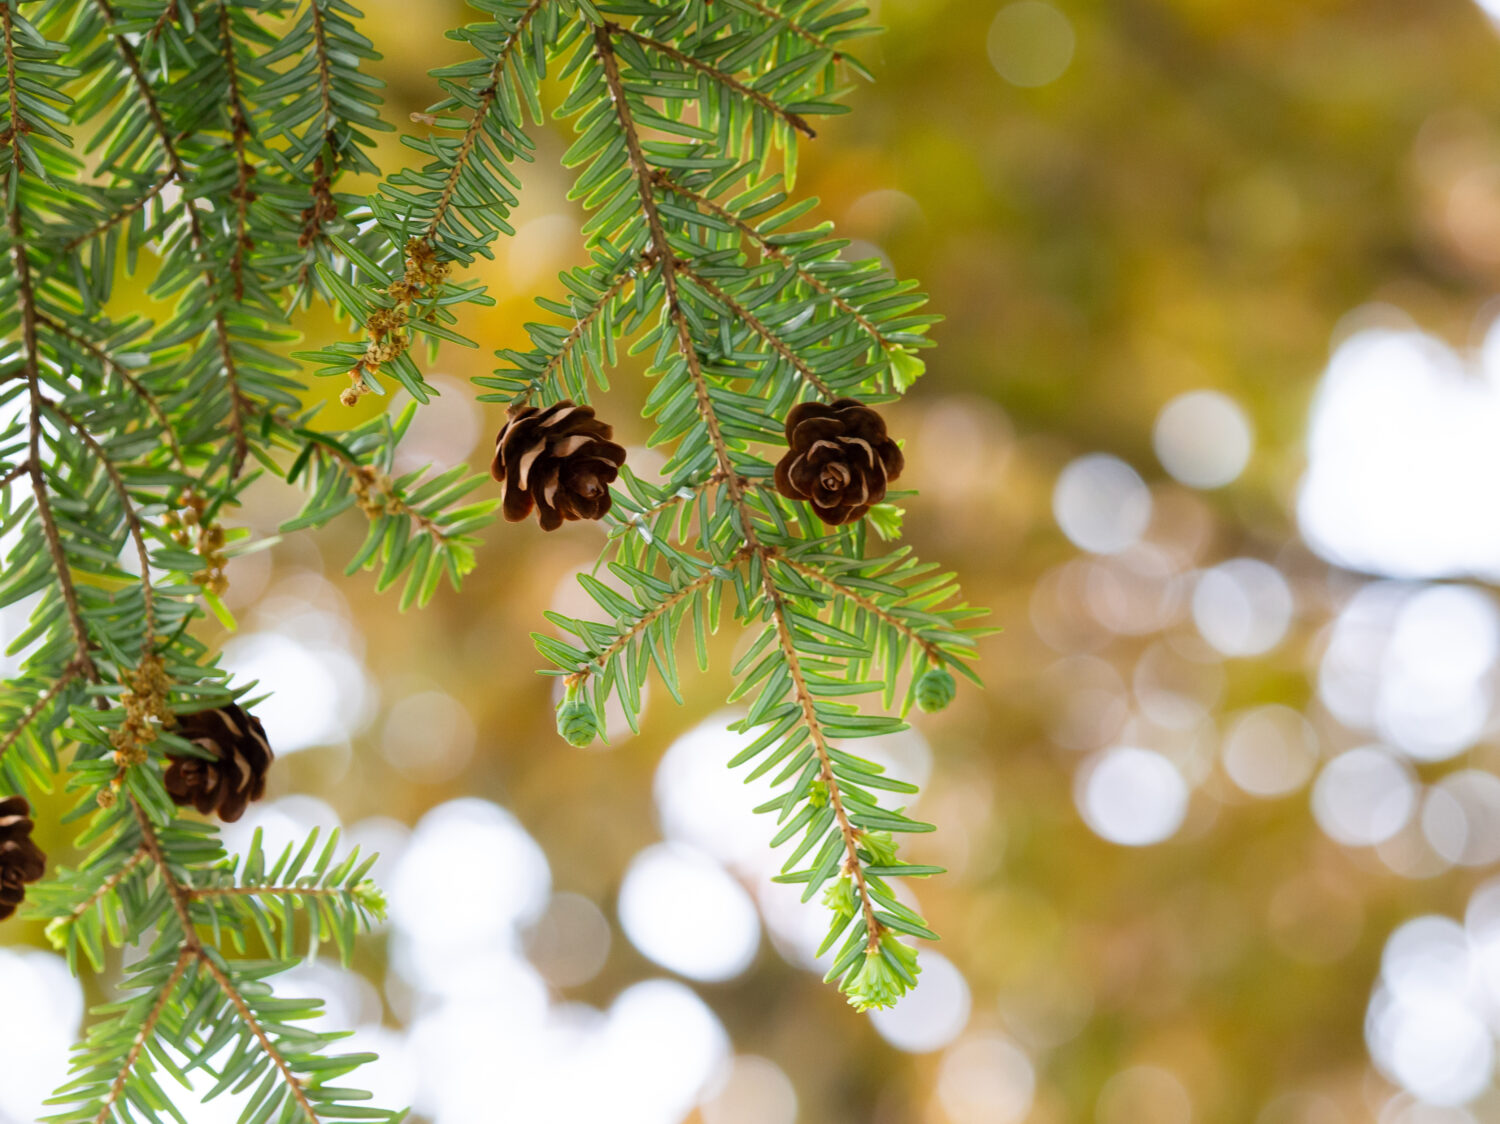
(936, 689)
(558, 459)
(235, 774)
(839, 459)
(21, 860)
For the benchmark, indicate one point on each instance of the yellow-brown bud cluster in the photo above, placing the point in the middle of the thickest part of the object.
(206, 539)
(386, 327)
(144, 701)
(370, 491)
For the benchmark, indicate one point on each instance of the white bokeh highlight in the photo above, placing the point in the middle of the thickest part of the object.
(1425, 1026)
(1413, 665)
(46, 1007)
(1101, 504)
(1402, 458)
(1270, 751)
(1131, 796)
(1242, 607)
(684, 912)
(1364, 796)
(1203, 439)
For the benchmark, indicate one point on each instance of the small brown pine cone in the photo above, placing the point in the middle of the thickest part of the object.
(21, 860)
(839, 459)
(559, 459)
(236, 775)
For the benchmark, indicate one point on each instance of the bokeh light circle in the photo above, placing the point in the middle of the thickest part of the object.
(1364, 796)
(1461, 817)
(1432, 1044)
(570, 942)
(1030, 43)
(469, 876)
(683, 911)
(1242, 607)
(752, 1090)
(1131, 796)
(1143, 1093)
(986, 1080)
(1270, 750)
(44, 1005)
(1203, 439)
(1101, 504)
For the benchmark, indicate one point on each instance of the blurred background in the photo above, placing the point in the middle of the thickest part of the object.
(1214, 427)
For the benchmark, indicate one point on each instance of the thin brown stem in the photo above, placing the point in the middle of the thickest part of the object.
(238, 130)
(814, 726)
(725, 79)
(119, 216)
(237, 403)
(167, 15)
(934, 653)
(110, 363)
(226, 985)
(793, 26)
(487, 97)
(22, 469)
(686, 494)
(323, 208)
(670, 264)
(325, 69)
(646, 620)
(777, 344)
(117, 1090)
(575, 334)
(132, 520)
(199, 893)
(192, 948)
(176, 891)
(24, 722)
(771, 250)
(109, 884)
(26, 298)
(384, 501)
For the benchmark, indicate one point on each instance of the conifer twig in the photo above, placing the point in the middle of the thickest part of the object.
(670, 263)
(195, 229)
(143, 1036)
(31, 713)
(728, 81)
(771, 250)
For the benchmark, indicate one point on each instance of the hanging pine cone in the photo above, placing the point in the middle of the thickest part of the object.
(839, 459)
(559, 459)
(236, 775)
(21, 860)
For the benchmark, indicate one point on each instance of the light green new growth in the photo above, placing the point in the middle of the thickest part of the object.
(198, 144)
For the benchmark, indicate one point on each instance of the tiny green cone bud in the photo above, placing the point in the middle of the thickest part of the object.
(839, 897)
(935, 690)
(888, 973)
(575, 721)
(371, 898)
(880, 846)
(906, 367)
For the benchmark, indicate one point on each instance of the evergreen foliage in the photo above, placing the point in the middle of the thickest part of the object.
(198, 143)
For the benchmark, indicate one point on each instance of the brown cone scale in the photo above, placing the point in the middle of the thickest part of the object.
(21, 860)
(839, 459)
(558, 459)
(235, 776)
